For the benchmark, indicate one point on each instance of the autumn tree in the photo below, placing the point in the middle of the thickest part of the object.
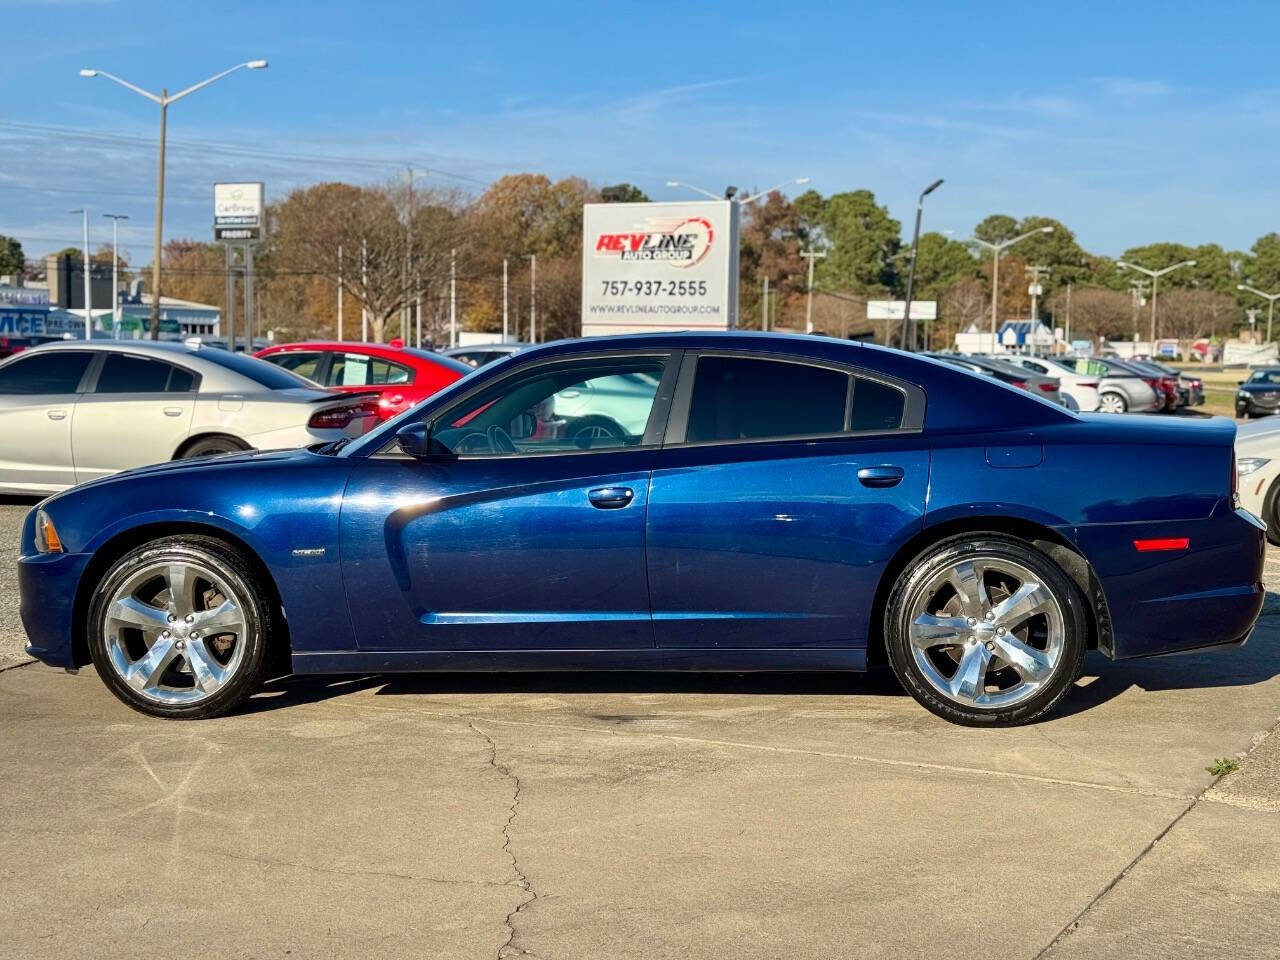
(770, 240)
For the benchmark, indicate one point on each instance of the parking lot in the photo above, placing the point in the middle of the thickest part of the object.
(643, 816)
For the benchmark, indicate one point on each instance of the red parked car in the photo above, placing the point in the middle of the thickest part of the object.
(401, 376)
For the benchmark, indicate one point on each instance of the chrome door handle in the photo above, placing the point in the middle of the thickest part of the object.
(173, 411)
(887, 476)
(57, 414)
(610, 498)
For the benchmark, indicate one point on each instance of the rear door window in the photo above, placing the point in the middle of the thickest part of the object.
(125, 373)
(305, 363)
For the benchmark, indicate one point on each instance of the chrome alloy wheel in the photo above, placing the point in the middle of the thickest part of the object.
(175, 631)
(986, 632)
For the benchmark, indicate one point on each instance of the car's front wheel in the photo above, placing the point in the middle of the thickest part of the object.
(178, 628)
(985, 630)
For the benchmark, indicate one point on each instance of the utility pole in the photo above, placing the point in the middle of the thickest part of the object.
(453, 298)
(364, 291)
(1067, 336)
(533, 298)
(88, 294)
(1139, 289)
(907, 329)
(248, 298)
(505, 327)
(1036, 289)
(764, 304)
(408, 251)
(115, 219)
(812, 255)
(417, 310)
(339, 292)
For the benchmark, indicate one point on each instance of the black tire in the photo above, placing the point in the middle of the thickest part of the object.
(255, 607)
(1271, 513)
(212, 447)
(909, 589)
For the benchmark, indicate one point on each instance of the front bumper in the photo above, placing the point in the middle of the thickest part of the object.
(1207, 595)
(47, 585)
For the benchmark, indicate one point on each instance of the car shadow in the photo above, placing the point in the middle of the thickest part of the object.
(1103, 680)
(21, 499)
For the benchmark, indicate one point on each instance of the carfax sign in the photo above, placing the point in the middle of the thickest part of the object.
(659, 266)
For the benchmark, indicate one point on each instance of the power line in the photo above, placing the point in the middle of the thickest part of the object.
(225, 149)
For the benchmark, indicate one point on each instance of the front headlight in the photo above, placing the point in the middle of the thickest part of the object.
(47, 540)
(1246, 465)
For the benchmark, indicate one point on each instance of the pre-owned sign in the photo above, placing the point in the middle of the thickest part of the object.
(659, 266)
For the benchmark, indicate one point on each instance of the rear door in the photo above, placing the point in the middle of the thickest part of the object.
(38, 394)
(137, 412)
(782, 490)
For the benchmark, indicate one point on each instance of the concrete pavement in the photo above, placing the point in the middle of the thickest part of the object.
(646, 816)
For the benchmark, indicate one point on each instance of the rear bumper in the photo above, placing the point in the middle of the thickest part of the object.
(1167, 602)
(47, 584)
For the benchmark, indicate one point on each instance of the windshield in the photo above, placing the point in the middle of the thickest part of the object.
(1265, 376)
(259, 371)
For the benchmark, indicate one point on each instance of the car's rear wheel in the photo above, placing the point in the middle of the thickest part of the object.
(178, 628)
(212, 446)
(1112, 402)
(985, 630)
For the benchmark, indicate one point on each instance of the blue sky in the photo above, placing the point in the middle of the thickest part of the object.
(1129, 122)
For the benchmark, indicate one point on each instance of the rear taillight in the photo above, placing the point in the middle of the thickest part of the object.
(1090, 386)
(1020, 384)
(336, 418)
(1047, 387)
(1235, 481)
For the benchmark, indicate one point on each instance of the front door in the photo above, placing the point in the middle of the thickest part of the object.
(783, 491)
(524, 531)
(38, 395)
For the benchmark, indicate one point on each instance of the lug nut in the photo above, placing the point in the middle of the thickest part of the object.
(999, 631)
(180, 645)
(990, 615)
(165, 635)
(190, 618)
(172, 618)
(991, 645)
(195, 636)
(973, 621)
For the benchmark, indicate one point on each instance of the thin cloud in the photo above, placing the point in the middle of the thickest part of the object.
(1134, 87)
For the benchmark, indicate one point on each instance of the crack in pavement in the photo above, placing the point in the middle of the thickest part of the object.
(1074, 923)
(509, 948)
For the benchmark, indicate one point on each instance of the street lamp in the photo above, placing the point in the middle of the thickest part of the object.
(997, 249)
(907, 329)
(799, 182)
(1271, 299)
(163, 99)
(1155, 276)
(115, 219)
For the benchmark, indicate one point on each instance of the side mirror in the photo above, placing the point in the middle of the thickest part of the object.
(1239, 383)
(415, 439)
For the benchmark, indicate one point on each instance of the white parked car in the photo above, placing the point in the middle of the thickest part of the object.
(73, 411)
(1258, 469)
(1080, 387)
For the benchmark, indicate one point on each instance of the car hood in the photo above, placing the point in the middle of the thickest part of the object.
(196, 465)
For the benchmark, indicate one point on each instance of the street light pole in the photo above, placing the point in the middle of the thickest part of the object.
(115, 219)
(997, 250)
(533, 298)
(1155, 276)
(1271, 299)
(907, 329)
(163, 99)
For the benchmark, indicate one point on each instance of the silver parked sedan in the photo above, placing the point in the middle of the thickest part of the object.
(70, 412)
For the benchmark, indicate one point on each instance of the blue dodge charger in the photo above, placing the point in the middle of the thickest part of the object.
(681, 501)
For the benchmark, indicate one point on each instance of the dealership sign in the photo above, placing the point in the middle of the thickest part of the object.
(659, 266)
(237, 211)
